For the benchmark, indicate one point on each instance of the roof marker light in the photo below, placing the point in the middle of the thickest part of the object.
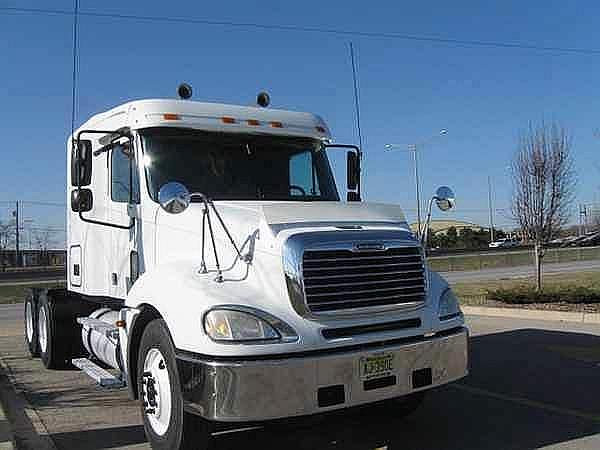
(275, 124)
(170, 116)
(226, 119)
(253, 122)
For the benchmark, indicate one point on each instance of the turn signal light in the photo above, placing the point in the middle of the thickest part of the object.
(120, 324)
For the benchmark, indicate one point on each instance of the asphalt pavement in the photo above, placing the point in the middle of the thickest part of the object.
(516, 272)
(532, 384)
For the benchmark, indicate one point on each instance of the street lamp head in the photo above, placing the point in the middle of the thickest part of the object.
(443, 132)
(389, 146)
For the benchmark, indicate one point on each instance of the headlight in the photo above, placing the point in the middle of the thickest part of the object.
(240, 324)
(449, 307)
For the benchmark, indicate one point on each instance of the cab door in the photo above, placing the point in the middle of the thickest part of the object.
(124, 203)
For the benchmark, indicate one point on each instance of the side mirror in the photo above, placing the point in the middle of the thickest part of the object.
(174, 197)
(82, 200)
(81, 163)
(444, 198)
(352, 170)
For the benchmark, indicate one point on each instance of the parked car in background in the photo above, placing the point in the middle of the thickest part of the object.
(504, 243)
(590, 239)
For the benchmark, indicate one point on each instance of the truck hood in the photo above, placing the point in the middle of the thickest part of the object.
(270, 222)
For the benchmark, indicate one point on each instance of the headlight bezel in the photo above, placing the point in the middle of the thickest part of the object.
(284, 332)
(452, 306)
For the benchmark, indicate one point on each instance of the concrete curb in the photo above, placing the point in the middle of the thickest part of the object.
(7, 440)
(28, 427)
(536, 314)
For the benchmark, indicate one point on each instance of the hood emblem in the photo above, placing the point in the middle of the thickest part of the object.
(369, 247)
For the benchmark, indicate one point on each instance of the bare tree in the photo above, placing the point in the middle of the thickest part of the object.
(7, 238)
(544, 182)
(44, 239)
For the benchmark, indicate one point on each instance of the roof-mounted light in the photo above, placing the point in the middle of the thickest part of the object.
(263, 99)
(170, 116)
(184, 91)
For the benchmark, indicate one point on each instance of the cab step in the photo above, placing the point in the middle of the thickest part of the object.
(98, 374)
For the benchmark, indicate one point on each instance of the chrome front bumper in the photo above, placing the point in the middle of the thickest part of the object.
(265, 389)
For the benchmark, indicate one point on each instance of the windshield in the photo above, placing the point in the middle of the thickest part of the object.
(227, 166)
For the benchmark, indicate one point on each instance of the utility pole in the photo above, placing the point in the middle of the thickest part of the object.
(582, 219)
(491, 209)
(18, 260)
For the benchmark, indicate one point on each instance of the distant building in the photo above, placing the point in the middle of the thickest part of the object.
(442, 226)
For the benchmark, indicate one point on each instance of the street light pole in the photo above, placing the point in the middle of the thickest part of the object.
(491, 209)
(413, 148)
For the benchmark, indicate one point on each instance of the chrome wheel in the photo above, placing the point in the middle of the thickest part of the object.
(156, 386)
(29, 321)
(43, 329)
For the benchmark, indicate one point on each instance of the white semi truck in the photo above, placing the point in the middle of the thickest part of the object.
(212, 264)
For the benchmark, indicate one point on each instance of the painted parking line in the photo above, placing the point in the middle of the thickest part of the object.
(527, 402)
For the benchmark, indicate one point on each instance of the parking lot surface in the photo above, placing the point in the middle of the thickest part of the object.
(532, 385)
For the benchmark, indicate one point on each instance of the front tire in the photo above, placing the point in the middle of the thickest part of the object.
(166, 424)
(31, 326)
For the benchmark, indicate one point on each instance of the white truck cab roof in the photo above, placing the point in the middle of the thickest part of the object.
(150, 113)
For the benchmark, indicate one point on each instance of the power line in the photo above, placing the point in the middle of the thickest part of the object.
(304, 29)
(33, 202)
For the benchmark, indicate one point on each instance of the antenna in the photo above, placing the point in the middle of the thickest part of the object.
(74, 80)
(356, 100)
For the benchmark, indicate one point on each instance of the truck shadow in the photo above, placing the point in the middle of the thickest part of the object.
(527, 388)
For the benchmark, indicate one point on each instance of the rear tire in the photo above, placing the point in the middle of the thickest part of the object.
(59, 334)
(31, 325)
(166, 424)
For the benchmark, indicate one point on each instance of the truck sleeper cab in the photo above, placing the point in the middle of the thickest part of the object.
(212, 263)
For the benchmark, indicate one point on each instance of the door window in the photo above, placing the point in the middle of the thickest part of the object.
(121, 177)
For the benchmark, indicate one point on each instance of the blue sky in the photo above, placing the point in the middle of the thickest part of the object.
(409, 90)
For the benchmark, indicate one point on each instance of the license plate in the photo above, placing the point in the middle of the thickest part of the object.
(375, 366)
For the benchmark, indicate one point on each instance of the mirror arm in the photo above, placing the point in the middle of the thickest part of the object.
(208, 204)
(425, 232)
(122, 132)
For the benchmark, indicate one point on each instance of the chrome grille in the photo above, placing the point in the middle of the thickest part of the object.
(347, 279)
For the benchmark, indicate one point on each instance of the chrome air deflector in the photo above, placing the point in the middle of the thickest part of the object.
(353, 272)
